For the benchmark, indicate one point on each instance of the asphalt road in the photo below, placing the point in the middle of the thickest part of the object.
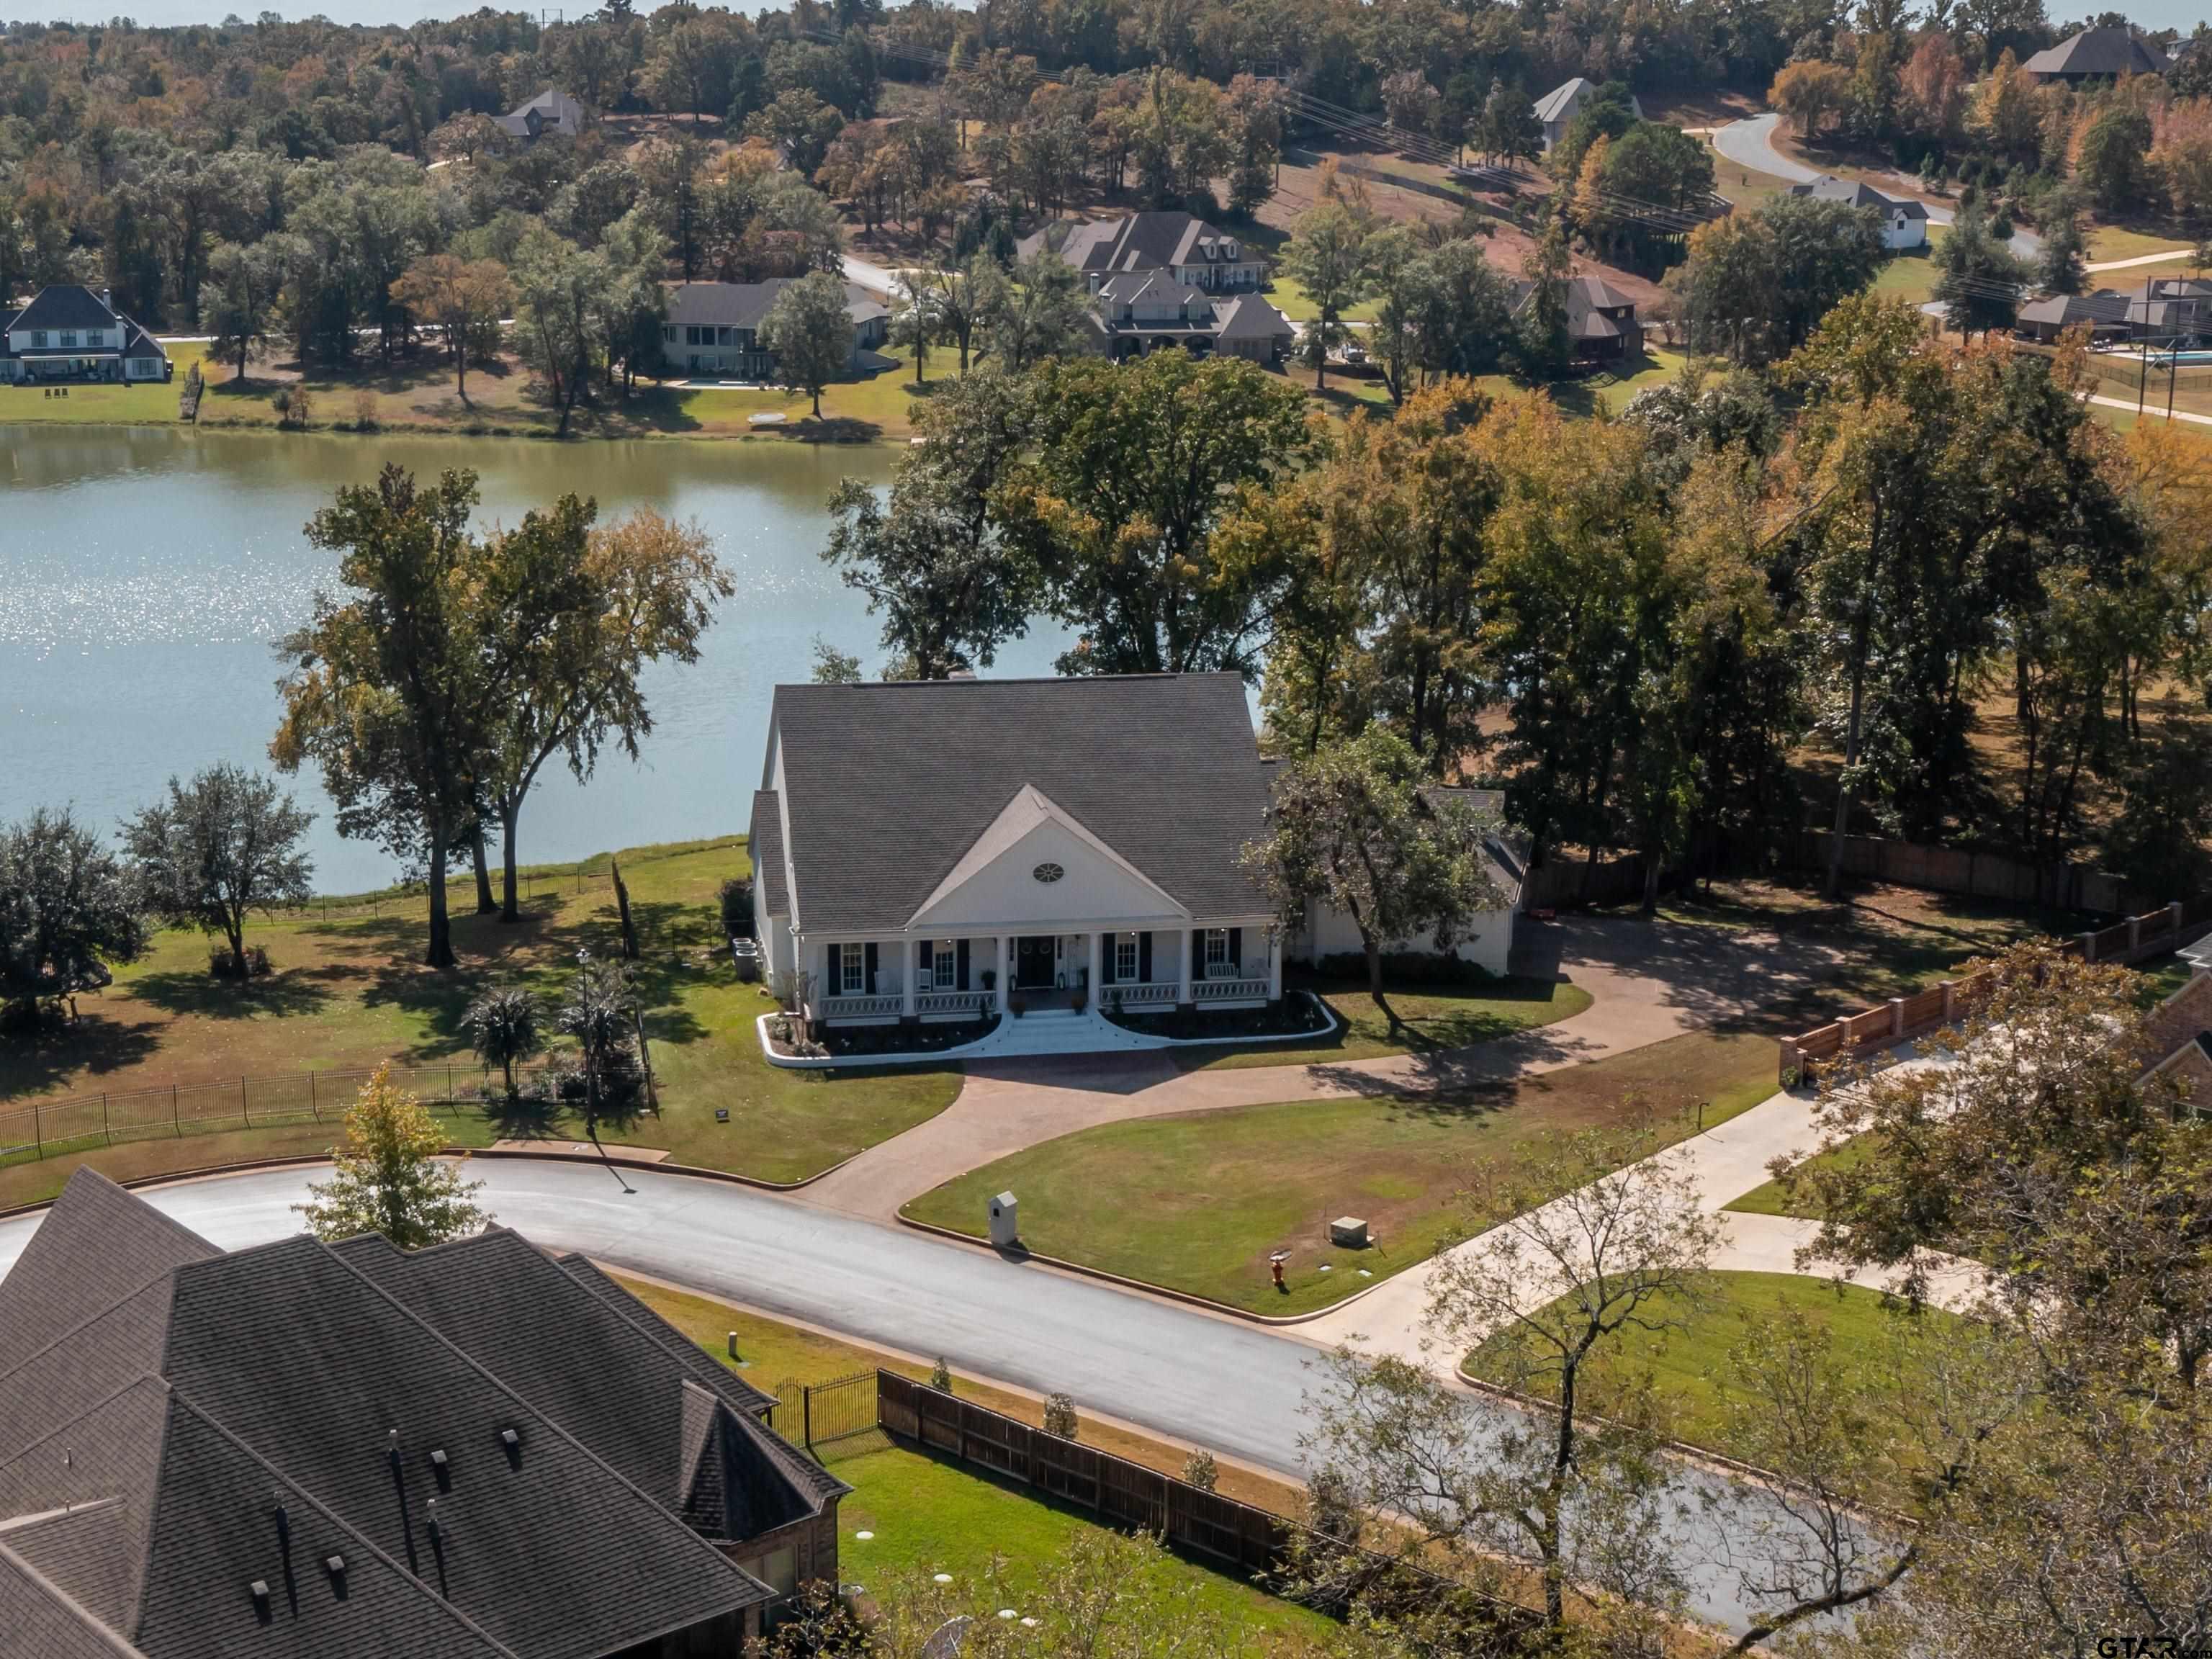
(1750, 143)
(1232, 1387)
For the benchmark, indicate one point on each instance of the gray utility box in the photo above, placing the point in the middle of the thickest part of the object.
(1006, 1230)
(1348, 1233)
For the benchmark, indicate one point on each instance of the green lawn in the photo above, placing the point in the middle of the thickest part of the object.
(418, 395)
(1288, 296)
(1689, 1366)
(2118, 242)
(1436, 1018)
(930, 1514)
(1196, 1203)
(348, 993)
(1912, 275)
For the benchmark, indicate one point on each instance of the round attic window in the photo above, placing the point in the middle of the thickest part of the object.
(1048, 873)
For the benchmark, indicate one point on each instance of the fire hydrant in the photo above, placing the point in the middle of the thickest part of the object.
(1275, 1263)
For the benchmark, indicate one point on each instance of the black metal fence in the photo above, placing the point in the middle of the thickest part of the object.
(840, 1417)
(44, 1128)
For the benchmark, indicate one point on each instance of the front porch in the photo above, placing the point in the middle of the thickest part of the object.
(848, 981)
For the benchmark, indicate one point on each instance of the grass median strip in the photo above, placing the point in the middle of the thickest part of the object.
(1687, 1364)
(1197, 1203)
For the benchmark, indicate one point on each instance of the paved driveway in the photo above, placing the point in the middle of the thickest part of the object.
(1213, 1381)
(1648, 981)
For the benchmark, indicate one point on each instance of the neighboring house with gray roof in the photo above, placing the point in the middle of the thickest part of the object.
(2098, 54)
(337, 1450)
(1602, 326)
(1189, 249)
(1164, 279)
(713, 329)
(72, 334)
(1904, 222)
(926, 850)
(550, 111)
(1557, 109)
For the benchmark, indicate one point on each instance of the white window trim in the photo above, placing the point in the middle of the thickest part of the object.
(1125, 959)
(1217, 961)
(852, 970)
(944, 966)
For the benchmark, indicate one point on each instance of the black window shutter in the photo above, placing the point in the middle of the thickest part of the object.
(1237, 951)
(960, 951)
(924, 970)
(1143, 958)
(1109, 946)
(868, 982)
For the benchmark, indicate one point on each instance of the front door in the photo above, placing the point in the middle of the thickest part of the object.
(1033, 963)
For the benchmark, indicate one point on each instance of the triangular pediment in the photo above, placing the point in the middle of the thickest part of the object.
(999, 879)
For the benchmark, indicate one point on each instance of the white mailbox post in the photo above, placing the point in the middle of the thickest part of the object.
(1005, 1232)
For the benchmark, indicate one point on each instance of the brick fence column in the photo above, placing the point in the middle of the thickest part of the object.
(1897, 1017)
(2088, 947)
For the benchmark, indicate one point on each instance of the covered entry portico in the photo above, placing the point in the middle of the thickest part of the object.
(877, 981)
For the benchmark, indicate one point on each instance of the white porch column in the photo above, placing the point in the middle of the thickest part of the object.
(909, 977)
(1006, 969)
(1274, 965)
(1098, 969)
(1182, 983)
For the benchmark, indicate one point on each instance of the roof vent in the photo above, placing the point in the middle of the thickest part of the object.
(511, 1442)
(438, 1549)
(442, 1469)
(334, 1565)
(259, 1590)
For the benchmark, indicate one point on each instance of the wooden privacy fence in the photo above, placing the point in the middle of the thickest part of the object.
(1243, 1537)
(2066, 886)
(46, 1127)
(2153, 933)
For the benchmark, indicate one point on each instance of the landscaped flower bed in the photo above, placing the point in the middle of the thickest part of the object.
(862, 1042)
(1297, 1015)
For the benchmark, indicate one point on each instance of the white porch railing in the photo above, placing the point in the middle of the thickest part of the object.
(1139, 996)
(857, 1007)
(952, 1002)
(1229, 990)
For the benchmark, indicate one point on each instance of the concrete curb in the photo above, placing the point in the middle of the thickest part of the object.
(1119, 1281)
(248, 1166)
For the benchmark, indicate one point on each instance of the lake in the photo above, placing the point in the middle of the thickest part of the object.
(144, 572)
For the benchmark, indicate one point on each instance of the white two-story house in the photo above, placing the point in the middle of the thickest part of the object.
(70, 333)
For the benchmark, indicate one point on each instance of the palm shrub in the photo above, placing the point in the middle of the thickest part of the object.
(503, 1028)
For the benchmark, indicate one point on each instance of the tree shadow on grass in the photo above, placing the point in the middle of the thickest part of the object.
(292, 993)
(37, 1060)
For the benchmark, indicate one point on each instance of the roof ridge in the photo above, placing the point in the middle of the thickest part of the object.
(87, 1323)
(178, 1399)
(84, 1616)
(99, 1405)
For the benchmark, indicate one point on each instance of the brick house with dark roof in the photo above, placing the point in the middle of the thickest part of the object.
(330, 1451)
(2104, 53)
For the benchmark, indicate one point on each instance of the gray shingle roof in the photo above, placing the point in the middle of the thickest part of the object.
(171, 1406)
(40, 1620)
(766, 846)
(2100, 51)
(87, 1254)
(886, 786)
(556, 112)
(1858, 193)
(743, 305)
(65, 305)
(1248, 317)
